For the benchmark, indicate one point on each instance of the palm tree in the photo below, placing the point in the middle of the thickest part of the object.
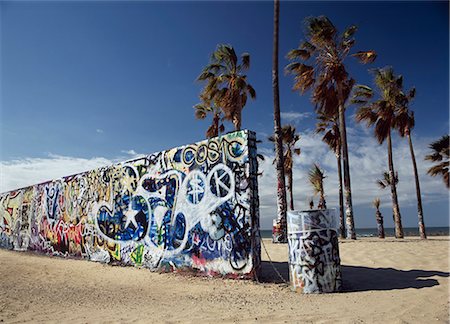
(405, 125)
(383, 114)
(207, 106)
(316, 177)
(440, 154)
(329, 80)
(385, 182)
(289, 138)
(329, 124)
(376, 203)
(226, 84)
(281, 189)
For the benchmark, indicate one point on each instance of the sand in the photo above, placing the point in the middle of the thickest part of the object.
(389, 281)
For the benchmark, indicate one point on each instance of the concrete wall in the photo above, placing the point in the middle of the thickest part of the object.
(192, 208)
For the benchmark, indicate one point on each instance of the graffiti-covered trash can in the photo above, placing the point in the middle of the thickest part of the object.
(314, 263)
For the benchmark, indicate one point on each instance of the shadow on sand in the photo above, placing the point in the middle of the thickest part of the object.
(363, 278)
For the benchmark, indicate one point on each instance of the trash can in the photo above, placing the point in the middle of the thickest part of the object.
(314, 263)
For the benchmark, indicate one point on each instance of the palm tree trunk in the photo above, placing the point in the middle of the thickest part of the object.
(380, 224)
(237, 119)
(341, 196)
(395, 205)
(281, 190)
(216, 124)
(322, 203)
(422, 232)
(291, 195)
(348, 191)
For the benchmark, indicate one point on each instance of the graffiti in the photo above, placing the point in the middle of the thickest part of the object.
(188, 208)
(314, 263)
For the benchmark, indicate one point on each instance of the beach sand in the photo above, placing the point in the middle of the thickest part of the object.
(392, 281)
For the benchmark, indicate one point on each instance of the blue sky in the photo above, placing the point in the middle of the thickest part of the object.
(87, 83)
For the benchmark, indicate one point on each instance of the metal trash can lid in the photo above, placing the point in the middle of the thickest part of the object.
(299, 221)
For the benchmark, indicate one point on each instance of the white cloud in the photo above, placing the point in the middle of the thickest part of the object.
(100, 131)
(129, 152)
(293, 116)
(368, 160)
(29, 171)
(132, 154)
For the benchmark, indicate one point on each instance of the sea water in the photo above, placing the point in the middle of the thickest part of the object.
(389, 232)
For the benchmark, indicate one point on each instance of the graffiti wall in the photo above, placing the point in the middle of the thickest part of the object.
(191, 208)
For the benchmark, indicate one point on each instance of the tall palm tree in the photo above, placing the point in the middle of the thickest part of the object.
(329, 125)
(281, 188)
(405, 124)
(206, 107)
(384, 115)
(376, 203)
(289, 138)
(316, 177)
(440, 154)
(226, 82)
(331, 84)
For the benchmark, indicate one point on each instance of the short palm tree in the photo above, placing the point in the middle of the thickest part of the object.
(329, 126)
(440, 154)
(226, 83)
(316, 177)
(383, 114)
(385, 182)
(376, 203)
(206, 107)
(328, 77)
(289, 138)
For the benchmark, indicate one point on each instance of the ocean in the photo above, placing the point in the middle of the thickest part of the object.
(389, 232)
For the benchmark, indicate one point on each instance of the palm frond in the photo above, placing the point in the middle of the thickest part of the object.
(349, 32)
(301, 54)
(199, 114)
(367, 114)
(376, 203)
(365, 57)
(307, 46)
(304, 77)
(251, 91)
(316, 177)
(440, 153)
(245, 61)
(438, 169)
(440, 149)
(381, 184)
(363, 91)
(320, 29)
(205, 76)
(382, 129)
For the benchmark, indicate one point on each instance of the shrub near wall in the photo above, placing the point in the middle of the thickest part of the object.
(192, 208)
